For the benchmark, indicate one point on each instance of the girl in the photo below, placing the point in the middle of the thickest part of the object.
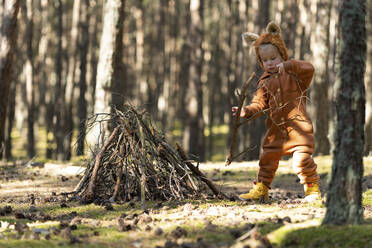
(282, 91)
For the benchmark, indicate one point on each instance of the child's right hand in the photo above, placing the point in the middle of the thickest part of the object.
(242, 112)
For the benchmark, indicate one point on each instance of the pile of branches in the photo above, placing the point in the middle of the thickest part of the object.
(136, 162)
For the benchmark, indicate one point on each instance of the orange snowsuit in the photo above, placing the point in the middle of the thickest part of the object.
(289, 129)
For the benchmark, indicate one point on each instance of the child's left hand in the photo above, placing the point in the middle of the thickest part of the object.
(280, 68)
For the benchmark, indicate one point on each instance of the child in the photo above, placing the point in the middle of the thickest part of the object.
(281, 91)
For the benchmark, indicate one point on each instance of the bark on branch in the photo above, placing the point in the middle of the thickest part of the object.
(242, 95)
(92, 183)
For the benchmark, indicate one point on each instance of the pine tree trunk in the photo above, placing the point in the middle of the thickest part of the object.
(368, 126)
(59, 89)
(45, 99)
(10, 122)
(96, 31)
(344, 201)
(184, 74)
(111, 35)
(7, 41)
(319, 90)
(289, 25)
(82, 102)
(164, 51)
(214, 88)
(70, 80)
(173, 64)
(119, 84)
(257, 126)
(141, 90)
(30, 84)
(305, 29)
(194, 138)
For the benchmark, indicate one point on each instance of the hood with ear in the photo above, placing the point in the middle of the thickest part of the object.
(271, 36)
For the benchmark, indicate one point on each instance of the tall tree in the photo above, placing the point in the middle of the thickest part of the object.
(368, 126)
(10, 122)
(118, 77)
(194, 139)
(46, 98)
(289, 25)
(344, 201)
(163, 83)
(7, 41)
(107, 63)
(235, 61)
(59, 89)
(94, 34)
(70, 79)
(82, 101)
(183, 76)
(140, 77)
(30, 81)
(230, 70)
(257, 126)
(319, 91)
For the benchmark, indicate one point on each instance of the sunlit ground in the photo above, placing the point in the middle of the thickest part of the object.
(285, 219)
(214, 222)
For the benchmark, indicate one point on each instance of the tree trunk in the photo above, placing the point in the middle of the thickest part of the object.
(230, 75)
(257, 126)
(214, 83)
(194, 130)
(119, 84)
(344, 201)
(183, 77)
(163, 50)
(7, 41)
(305, 29)
(82, 102)
(59, 91)
(111, 35)
(10, 122)
(289, 25)
(140, 77)
(368, 126)
(70, 81)
(319, 90)
(95, 23)
(30, 82)
(173, 64)
(42, 71)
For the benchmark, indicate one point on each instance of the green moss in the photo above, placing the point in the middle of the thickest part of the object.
(268, 227)
(367, 198)
(323, 236)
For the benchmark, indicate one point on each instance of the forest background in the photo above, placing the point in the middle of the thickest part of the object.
(181, 63)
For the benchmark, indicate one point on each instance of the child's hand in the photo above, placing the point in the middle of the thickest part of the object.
(280, 68)
(242, 112)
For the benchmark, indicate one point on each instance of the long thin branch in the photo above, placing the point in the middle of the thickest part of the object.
(242, 97)
(92, 183)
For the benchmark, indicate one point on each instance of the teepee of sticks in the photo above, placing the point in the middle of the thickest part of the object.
(136, 162)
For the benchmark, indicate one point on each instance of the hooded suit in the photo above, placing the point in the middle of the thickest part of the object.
(289, 129)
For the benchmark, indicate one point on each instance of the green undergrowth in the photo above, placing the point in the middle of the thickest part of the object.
(323, 236)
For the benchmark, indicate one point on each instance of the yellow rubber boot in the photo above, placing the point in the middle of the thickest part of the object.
(312, 192)
(259, 192)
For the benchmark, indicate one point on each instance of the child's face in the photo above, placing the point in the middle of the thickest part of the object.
(270, 57)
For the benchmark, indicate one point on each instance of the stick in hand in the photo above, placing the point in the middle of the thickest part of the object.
(242, 95)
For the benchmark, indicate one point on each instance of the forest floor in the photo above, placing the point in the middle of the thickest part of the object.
(35, 213)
